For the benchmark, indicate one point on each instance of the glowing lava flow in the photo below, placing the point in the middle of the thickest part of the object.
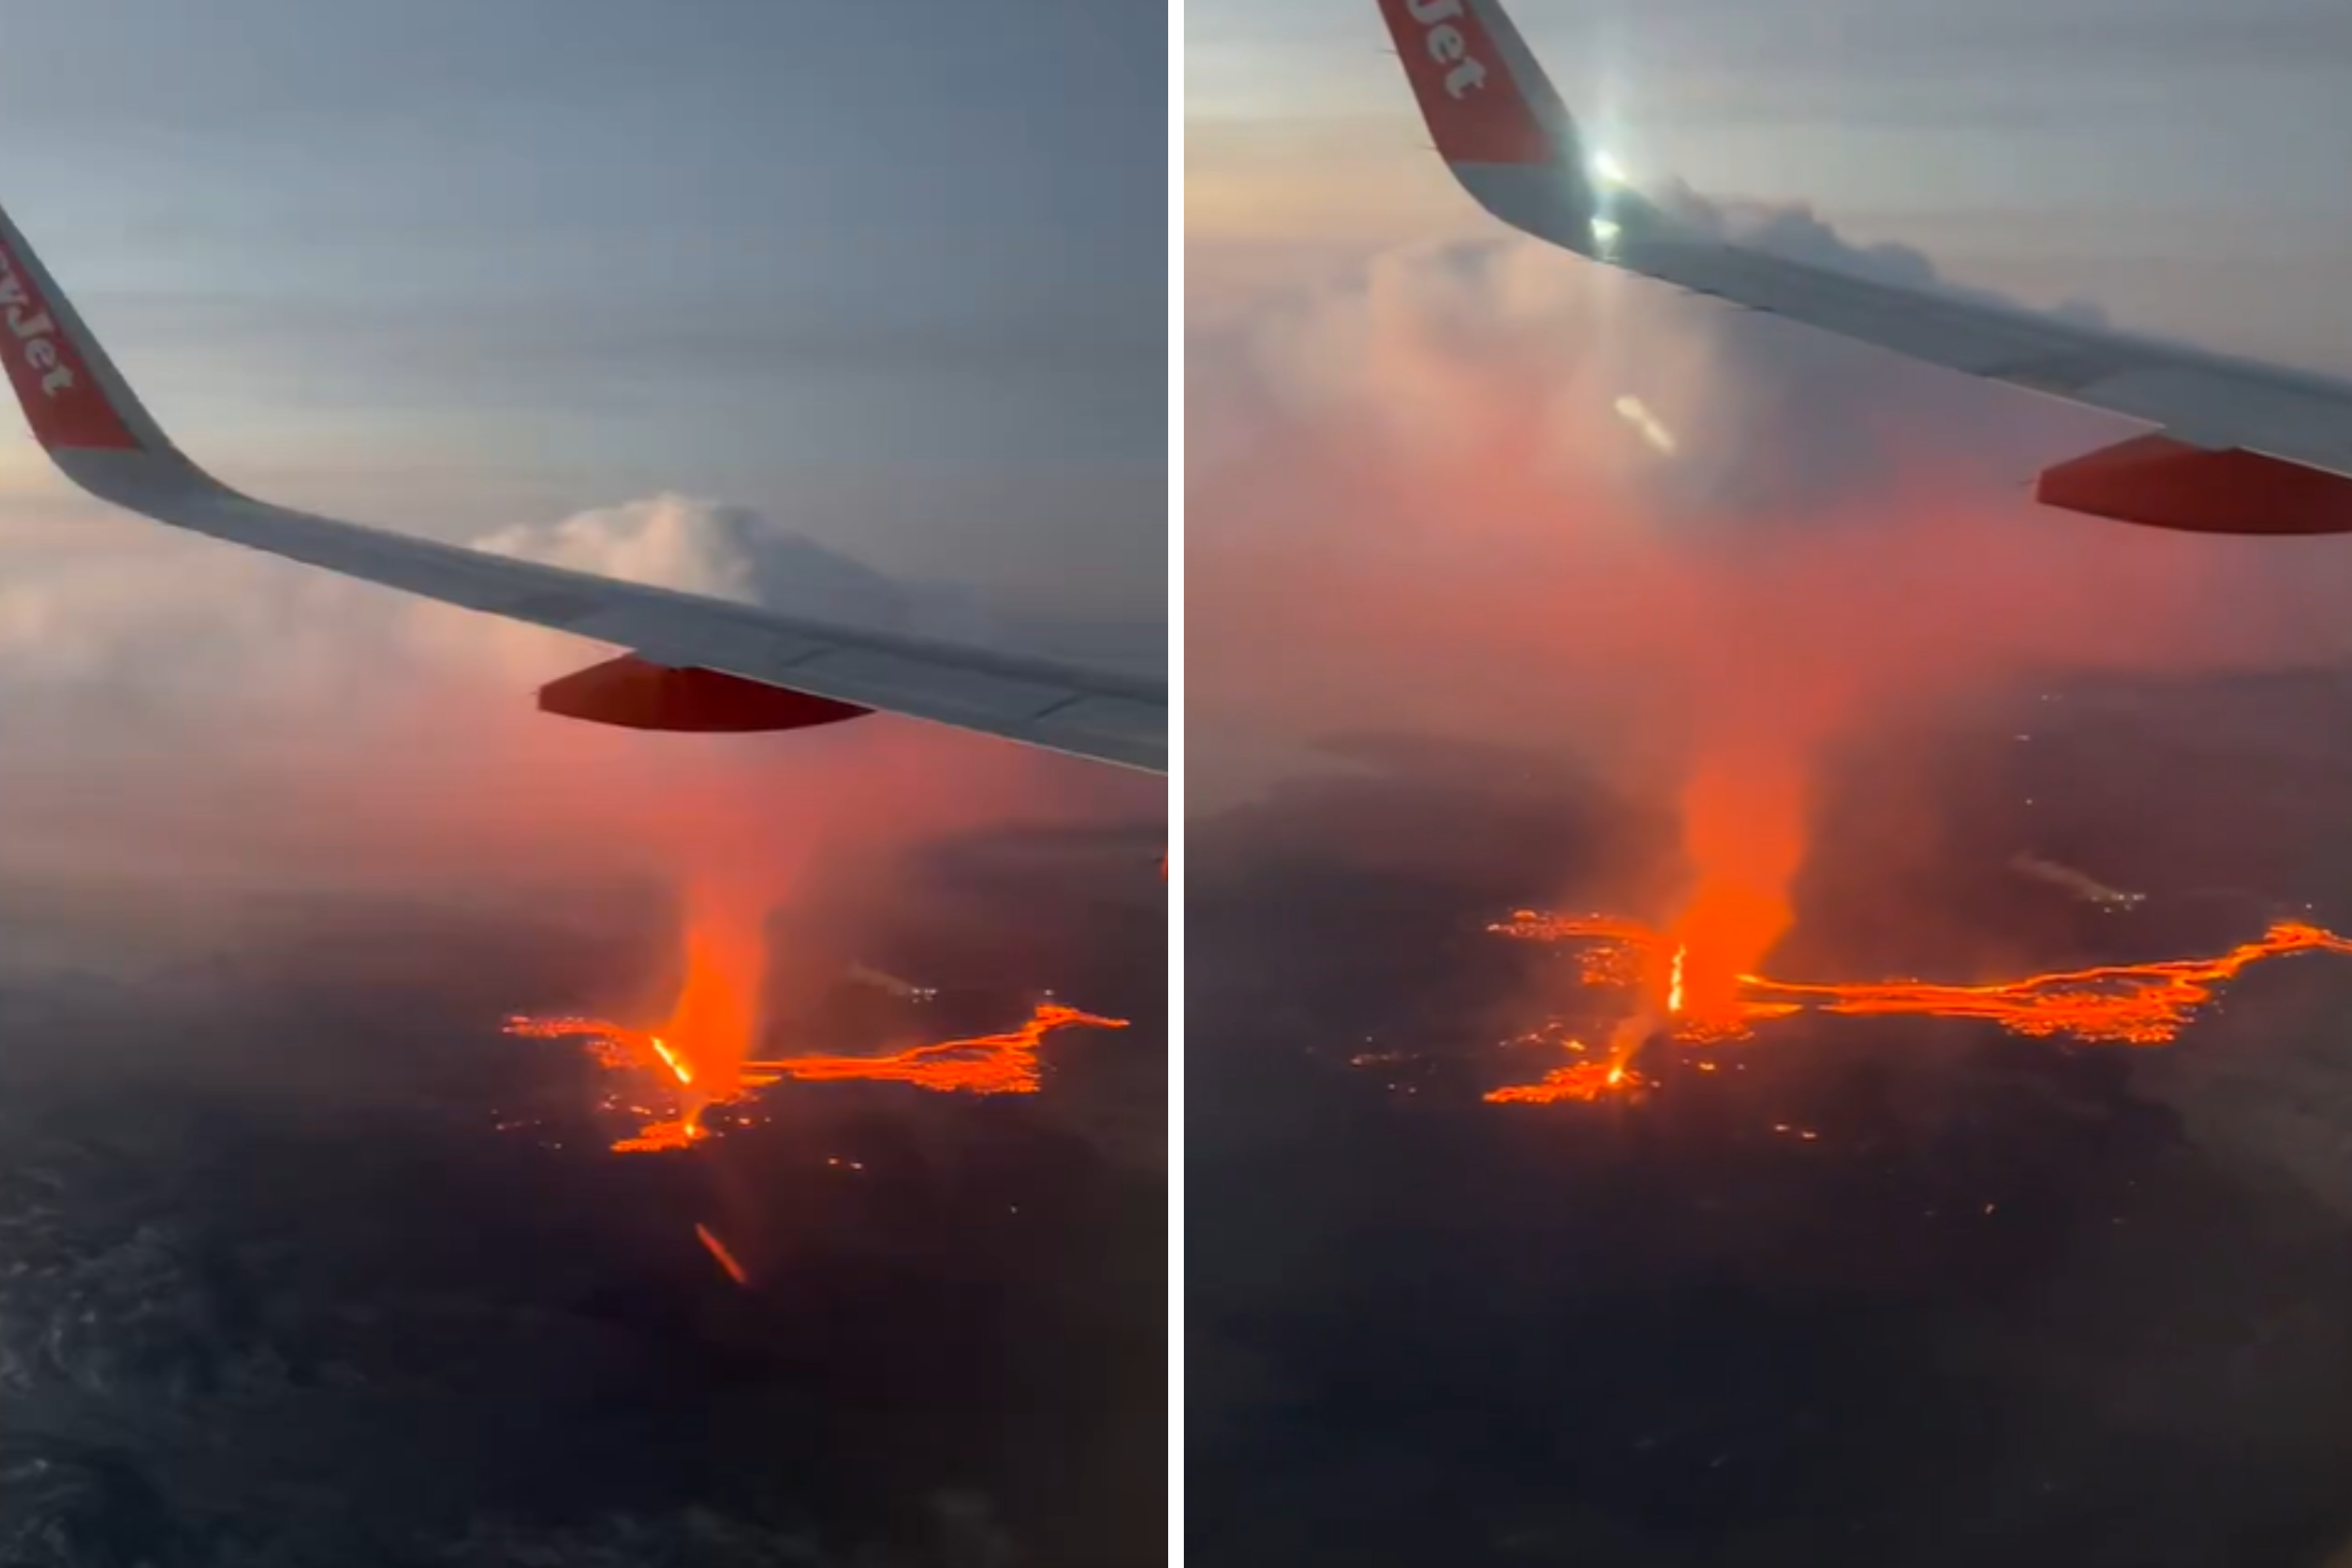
(672, 1060)
(2122, 1004)
(985, 1064)
(625, 1050)
(1586, 1081)
(2114, 1003)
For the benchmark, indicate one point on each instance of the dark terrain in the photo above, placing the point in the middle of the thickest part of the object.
(2017, 1302)
(274, 1291)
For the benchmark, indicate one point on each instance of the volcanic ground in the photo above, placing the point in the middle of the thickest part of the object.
(306, 1262)
(1870, 1291)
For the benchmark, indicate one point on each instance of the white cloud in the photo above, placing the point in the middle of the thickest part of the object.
(1435, 518)
(212, 633)
(669, 541)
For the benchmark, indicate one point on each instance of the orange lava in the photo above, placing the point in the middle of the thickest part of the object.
(710, 1028)
(671, 1059)
(654, 1137)
(1743, 816)
(619, 1050)
(699, 1052)
(2118, 1004)
(2115, 1004)
(718, 1251)
(1584, 1082)
(987, 1064)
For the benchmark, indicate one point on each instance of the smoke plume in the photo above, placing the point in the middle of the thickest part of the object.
(186, 715)
(1488, 490)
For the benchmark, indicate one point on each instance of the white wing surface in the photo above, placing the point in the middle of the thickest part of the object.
(694, 663)
(2237, 446)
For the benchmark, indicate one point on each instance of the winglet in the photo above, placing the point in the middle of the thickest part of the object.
(1496, 119)
(74, 398)
(2159, 482)
(637, 694)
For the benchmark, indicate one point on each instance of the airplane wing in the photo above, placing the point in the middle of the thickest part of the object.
(694, 663)
(2238, 446)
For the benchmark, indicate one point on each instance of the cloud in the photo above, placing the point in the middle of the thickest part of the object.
(731, 551)
(1475, 344)
(104, 634)
(189, 711)
(667, 541)
(1490, 491)
(1793, 230)
(2143, 37)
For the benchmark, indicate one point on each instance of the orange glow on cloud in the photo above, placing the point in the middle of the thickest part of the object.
(410, 762)
(1423, 511)
(272, 727)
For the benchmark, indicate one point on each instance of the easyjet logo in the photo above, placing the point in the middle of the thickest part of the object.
(36, 337)
(1464, 72)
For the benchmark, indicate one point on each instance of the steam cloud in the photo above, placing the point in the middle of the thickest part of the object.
(1487, 491)
(186, 713)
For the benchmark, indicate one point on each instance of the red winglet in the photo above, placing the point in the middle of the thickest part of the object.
(1477, 110)
(64, 401)
(2159, 482)
(636, 694)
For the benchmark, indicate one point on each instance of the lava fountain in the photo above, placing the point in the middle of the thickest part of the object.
(700, 1056)
(1744, 833)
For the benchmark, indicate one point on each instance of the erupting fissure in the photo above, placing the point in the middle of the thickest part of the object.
(700, 1056)
(985, 1064)
(2111, 1003)
(1743, 819)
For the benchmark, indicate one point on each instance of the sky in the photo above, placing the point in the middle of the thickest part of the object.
(1406, 469)
(891, 275)
(2174, 160)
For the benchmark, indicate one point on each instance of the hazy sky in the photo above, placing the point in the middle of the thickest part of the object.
(2178, 161)
(1402, 426)
(893, 274)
